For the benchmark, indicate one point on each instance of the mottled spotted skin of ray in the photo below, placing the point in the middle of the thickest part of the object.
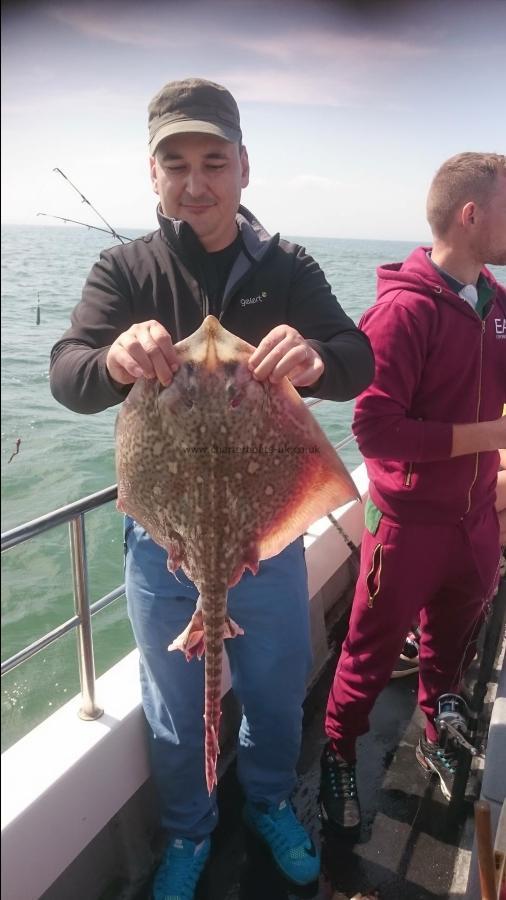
(222, 471)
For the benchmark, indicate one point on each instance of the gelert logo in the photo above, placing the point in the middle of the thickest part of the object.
(500, 329)
(248, 301)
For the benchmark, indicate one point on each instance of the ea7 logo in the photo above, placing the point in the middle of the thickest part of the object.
(500, 328)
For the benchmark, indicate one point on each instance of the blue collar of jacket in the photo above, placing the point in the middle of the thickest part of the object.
(183, 241)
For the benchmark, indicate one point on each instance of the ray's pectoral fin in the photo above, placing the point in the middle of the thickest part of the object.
(250, 560)
(310, 501)
(191, 640)
(320, 481)
(176, 556)
(232, 629)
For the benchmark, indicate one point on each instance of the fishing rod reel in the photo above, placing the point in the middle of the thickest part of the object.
(456, 722)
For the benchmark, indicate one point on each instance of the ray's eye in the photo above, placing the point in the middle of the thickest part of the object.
(187, 399)
(189, 391)
(234, 395)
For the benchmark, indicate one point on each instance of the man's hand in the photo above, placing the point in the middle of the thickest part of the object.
(285, 352)
(479, 437)
(145, 350)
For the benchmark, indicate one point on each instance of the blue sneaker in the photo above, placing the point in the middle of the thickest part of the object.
(180, 869)
(292, 849)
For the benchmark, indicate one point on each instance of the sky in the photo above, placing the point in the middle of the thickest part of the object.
(347, 108)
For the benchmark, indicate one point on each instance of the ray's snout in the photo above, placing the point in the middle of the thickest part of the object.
(212, 345)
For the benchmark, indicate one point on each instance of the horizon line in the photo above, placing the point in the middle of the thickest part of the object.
(146, 229)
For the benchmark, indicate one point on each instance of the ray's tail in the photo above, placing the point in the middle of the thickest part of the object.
(213, 613)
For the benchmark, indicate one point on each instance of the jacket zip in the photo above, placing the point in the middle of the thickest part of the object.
(411, 465)
(233, 290)
(199, 295)
(204, 295)
(204, 301)
(203, 298)
(475, 476)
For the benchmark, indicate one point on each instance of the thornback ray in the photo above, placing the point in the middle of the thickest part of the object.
(222, 471)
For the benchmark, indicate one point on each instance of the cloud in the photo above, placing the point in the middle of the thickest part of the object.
(302, 33)
(126, 28)
(295, 53)
(291, 32)
(272, 39)
(332, 86)
(296, 44)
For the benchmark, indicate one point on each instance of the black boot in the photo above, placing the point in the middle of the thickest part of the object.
(338, 794)
(440, 761)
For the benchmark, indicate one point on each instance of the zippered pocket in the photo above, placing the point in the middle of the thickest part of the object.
(373, 578)
(409, 474)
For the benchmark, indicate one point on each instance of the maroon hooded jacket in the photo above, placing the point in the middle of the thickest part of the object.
(437, 363)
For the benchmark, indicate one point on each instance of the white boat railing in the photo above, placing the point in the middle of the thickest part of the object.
(74, 515)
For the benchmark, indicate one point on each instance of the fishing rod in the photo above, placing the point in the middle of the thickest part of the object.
(109, 230)
(85, 200)
(85, 225)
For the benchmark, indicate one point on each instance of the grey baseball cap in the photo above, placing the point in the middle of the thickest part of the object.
(193, 105)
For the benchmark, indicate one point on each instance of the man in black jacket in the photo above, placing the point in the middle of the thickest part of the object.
(210, 255)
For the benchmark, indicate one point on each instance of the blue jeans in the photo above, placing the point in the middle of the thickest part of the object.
(269, 665)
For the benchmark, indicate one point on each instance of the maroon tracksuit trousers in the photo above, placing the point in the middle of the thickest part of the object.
(446, 574)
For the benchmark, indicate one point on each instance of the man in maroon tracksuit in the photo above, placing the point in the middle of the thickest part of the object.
(429, 428)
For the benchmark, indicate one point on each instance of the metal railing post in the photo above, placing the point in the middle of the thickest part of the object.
(89, 709)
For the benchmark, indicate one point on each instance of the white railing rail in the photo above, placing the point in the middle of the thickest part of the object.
(73, 514)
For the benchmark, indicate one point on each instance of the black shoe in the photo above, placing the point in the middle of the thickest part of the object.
(440, 761)
(339, 804)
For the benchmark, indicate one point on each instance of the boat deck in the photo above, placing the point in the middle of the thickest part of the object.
(407, 849)
(412, 845)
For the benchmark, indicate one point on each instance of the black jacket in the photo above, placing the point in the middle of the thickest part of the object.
(272, 282)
